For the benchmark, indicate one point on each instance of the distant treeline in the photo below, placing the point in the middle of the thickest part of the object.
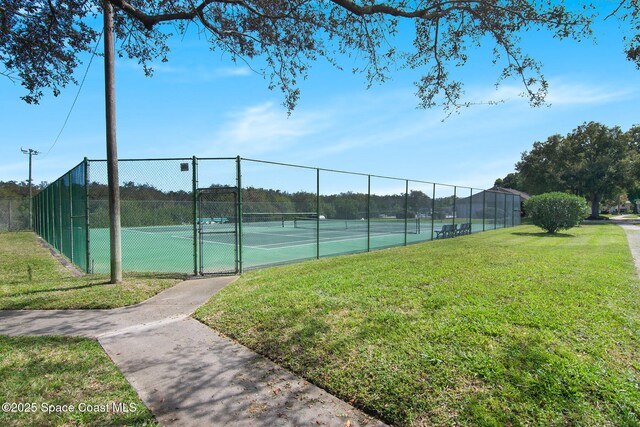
(145, 205)
(17, 190)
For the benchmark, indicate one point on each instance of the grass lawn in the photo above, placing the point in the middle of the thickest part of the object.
(64, 381)
(511, 327)
(30, 278)
(43, 376)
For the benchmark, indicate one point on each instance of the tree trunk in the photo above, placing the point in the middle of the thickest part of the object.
(595, 207)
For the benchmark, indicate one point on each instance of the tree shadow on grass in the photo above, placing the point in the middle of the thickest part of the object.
(544, 234)
(99, 282)
(178, 276)
(67, 288)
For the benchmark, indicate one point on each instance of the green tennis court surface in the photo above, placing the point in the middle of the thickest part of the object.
(171, 248)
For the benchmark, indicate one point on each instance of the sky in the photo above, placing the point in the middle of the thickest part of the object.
(202, 104)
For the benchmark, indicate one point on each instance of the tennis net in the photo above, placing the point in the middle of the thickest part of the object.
(273, 219)
(374, 225)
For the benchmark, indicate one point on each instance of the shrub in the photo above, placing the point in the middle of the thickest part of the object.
(556, 211)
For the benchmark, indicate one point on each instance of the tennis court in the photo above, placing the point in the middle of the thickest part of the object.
(227, 215)
(171, 248)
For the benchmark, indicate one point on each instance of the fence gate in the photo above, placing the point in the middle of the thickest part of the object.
(218, 230)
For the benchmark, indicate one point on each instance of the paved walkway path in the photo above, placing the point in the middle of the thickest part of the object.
(186, 373)
(632, 230)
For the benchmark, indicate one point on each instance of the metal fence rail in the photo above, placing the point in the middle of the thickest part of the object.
(227, 215)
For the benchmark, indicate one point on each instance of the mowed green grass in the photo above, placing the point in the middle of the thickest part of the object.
(508, 328)
(30, 278)
(49, 381)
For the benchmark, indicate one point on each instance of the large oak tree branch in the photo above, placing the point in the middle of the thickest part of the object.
(283, 37)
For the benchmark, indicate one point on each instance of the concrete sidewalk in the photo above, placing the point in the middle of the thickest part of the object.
(186, 373)
(632, 230)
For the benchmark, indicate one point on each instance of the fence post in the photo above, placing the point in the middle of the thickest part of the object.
(52, 213)
(60, 227)
(35, 214)
(470, 210)
(318, 213)
(455, 214)
(86, 209)
(505, 211)
(194, 189)
(484, 207)
(239, 210)
(406, 210)
(433, 210)
(73, 261)
(368, 213)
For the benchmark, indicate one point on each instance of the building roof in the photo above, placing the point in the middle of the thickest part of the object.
(522, 194)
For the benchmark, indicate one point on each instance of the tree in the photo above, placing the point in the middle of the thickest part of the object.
(601, 167)
(512, 180)
(556, 211)
(540, 170)
(40, 41)
(593, 161)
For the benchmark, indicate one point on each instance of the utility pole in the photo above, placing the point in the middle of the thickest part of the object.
(112, 153)
(31, 152)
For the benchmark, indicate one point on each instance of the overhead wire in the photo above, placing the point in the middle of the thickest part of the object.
(95, 49)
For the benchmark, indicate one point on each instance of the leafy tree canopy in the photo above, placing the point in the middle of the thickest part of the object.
(41, 41)
(593, 161)
(512, 180)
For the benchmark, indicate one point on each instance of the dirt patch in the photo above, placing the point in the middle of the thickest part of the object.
(64, 262)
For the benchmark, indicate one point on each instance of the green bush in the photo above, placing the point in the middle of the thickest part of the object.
(556, 211)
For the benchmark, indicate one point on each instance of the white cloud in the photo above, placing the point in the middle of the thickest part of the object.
(264, 128)
(189, 74)
(562, 92)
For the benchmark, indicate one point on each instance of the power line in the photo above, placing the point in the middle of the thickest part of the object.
(95, 49)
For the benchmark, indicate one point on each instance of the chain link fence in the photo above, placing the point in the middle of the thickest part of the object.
(226, 215)
(60, 215)
(14, 214)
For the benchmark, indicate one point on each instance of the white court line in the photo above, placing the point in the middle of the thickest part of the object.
(272, 246)
(205, 241)
(326, 240)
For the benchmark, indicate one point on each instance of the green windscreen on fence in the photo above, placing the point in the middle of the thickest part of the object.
(226, 215)
(60, 215)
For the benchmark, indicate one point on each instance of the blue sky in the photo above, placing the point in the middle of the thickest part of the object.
(200, 103)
